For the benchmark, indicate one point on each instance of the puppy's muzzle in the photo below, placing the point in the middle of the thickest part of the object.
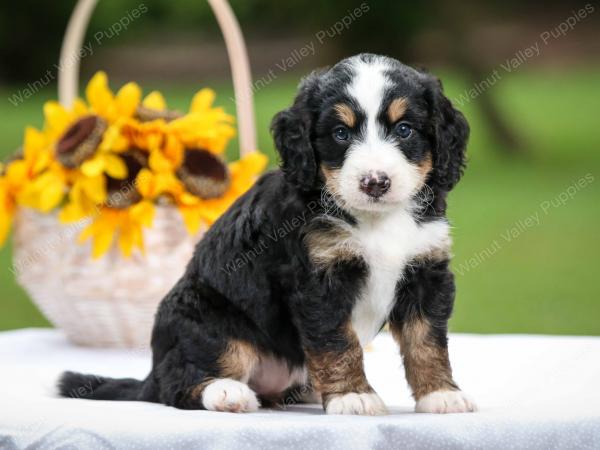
(375, 184)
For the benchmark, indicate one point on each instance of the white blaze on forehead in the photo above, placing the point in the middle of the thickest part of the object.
(368, 88)
(372, 152)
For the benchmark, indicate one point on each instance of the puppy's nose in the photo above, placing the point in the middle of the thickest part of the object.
(375, 184)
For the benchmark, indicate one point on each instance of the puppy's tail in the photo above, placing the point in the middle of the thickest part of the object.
(93, 387)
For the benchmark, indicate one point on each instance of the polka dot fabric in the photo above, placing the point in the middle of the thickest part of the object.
(533, 392)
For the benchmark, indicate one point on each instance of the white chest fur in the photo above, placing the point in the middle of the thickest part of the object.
(387, 244)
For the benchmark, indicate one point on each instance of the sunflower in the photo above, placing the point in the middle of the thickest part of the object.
(124, 224)
(57, 118)
(29, 177)
(85, 197)
(20, 182)
(204, 126)
(112, 108)
(196, 211)
(105, 160)
(159, 178)
(111, 159)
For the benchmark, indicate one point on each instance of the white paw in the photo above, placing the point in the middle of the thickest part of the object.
(367, 404)
(229, 395)
(442, 402)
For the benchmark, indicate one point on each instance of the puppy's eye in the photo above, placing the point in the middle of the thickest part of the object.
(341, 133)
(403, 130)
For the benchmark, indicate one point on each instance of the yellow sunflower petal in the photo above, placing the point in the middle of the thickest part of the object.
(86, 233)
(94, 188)
(72, 212)
(115, 166)
(113, 140)
(159, 163)
(100, 97)
(16, 173)
(128, 99)
(6, 211)
(49, 191)
(102, 232)
(102, 243)
(126, 241)
(155, 100)
(191, 219)
(35, 150)
(144, 183)
(254, 163)
(79, 108)
(138, 240)
(5, 226)
(57, 118)
(203, 100)
(174, 150)
(33, 141)
(93, 167)
(143, 213)
(167, 183)
(188, 199)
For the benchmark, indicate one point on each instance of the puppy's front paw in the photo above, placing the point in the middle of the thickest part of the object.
(366, 404)
(229, 395)
(445, 401)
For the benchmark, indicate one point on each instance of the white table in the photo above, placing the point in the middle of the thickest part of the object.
(533, 392)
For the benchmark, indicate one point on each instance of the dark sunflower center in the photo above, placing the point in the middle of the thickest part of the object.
(123, 193)
(78, 133)
(80, 141)
(205, 164)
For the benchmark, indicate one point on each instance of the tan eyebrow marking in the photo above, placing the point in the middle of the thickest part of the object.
(397, 109)
(345, 114)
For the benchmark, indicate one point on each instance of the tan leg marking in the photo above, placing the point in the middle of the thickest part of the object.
(238, 361)
(427, 365)
(334, 373)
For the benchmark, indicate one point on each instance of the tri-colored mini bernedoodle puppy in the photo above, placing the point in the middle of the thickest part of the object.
(308, 266)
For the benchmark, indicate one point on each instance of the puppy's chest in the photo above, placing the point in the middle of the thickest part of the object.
(386, 245)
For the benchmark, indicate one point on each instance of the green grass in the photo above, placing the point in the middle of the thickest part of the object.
(544, 280)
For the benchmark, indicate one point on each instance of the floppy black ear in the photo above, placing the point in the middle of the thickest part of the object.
(451, 132)
(291, 130)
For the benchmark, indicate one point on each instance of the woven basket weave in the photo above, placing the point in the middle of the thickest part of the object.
(111, 302)
(103, 303)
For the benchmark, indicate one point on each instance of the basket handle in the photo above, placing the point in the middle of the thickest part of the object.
(68, 75)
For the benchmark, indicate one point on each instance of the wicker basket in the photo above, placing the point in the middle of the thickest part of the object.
(111, 302)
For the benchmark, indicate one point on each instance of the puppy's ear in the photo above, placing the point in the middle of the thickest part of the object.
(291, 130)
(451, 132)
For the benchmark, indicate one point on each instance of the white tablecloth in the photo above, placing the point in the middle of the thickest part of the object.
(533, 392)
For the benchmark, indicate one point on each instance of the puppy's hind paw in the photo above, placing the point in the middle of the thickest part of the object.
(227, 395)
(445, 401)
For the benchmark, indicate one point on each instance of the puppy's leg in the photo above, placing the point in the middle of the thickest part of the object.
(336, 370)
(196, 362)
(419, 325)
(212, 380)
(230, 392)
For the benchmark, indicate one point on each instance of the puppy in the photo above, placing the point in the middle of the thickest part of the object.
(308, 266)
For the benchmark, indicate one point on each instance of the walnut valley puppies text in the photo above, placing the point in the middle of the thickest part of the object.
(524, 54)
(309, 49)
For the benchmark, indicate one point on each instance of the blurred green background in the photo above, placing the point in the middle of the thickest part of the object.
(525, 215)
